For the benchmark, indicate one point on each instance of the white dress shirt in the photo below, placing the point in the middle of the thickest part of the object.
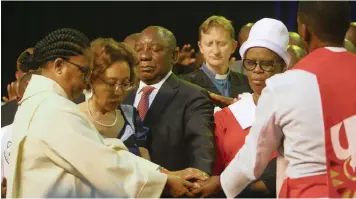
(289, 112)
(57, 152)
(152, 96)
(6, 132)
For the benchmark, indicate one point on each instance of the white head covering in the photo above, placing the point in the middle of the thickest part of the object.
(271, 34)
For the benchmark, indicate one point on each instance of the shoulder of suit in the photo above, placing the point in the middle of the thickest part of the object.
(189, 85)
(9, 105)
(239, 75)
(191, 76)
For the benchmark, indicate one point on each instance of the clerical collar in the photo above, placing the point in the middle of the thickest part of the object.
(212, 74)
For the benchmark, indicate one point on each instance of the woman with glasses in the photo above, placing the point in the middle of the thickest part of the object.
(112, 76)
(264, 55)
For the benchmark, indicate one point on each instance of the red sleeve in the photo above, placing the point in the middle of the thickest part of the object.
(219, 142)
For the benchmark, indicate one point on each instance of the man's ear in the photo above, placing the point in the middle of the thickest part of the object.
(175, 55)
(234, 46)
(58, 65)
(200, 47)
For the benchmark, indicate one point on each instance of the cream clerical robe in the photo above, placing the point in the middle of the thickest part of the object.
(57, 152)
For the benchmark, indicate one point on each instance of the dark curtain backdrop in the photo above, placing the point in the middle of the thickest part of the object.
(24, 23)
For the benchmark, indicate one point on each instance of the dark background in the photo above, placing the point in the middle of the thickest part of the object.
(24, 23)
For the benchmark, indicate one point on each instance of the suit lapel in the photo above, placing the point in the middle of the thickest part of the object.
(205, 82)
(162, 99)
(130, 98)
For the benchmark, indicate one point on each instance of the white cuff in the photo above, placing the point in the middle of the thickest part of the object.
(233, 182)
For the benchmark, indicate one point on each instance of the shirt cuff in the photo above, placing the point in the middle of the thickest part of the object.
(154, 187)
(232, 182)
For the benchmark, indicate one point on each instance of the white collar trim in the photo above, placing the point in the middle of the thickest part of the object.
(157, 85)
(244, 110)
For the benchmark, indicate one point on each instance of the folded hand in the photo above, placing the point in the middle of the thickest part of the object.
(222, 99)
(177, 187)
(190, 174)
(208, 187)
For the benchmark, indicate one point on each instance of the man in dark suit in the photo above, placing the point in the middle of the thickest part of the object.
(178, 114)
(217, 43)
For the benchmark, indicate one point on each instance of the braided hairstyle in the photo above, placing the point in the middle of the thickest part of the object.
(60, 43)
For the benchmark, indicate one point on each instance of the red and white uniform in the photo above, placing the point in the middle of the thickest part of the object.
(232, 125)
(311, 110)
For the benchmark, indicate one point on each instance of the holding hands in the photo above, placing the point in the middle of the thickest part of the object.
(202, 186)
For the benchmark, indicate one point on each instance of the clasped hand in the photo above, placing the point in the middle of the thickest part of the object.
(201, 184)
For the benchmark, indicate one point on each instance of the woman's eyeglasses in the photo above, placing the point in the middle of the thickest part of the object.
(126, 86)
(266, 66)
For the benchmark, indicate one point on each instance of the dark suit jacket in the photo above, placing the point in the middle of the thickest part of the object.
(238, 83)
(181, 126)
(8, 112)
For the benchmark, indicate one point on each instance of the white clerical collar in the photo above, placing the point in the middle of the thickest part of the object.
(336, 49)
(214, 75)
(156, 86)
(244, 110)
(217, 76)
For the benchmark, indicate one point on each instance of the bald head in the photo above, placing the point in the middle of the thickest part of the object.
(161, 34)
(351, 33)
(295, 39)
(131, 40)
(296, 53)
(349, 46)
(156, 49)
(243, 34)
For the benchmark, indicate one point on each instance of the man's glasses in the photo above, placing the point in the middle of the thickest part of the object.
(126, 86)
(83, 69)
(266, 66)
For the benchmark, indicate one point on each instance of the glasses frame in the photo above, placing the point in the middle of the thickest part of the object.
(258, 63)
(116, 86)
(83, 69)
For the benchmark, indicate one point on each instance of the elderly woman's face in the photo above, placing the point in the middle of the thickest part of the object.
(260, 64)
(111, 86)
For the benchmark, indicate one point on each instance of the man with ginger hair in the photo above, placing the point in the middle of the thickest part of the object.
(217, 43)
